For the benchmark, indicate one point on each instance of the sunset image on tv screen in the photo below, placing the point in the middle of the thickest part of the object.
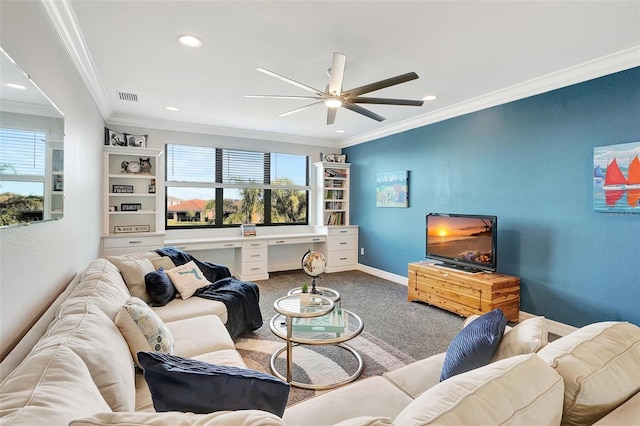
(468, 239)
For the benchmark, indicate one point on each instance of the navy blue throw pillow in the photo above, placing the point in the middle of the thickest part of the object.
(160, 287)
(474, 346)
(189, 385)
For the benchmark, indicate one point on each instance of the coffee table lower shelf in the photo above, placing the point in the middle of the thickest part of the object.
(326, 386)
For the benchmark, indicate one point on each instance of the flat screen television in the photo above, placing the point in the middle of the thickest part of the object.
(463, 242)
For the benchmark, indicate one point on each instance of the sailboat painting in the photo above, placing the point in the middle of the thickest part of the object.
(616, 178)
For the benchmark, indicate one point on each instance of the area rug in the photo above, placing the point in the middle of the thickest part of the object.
(319, 364)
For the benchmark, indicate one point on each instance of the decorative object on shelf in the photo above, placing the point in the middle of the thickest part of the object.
(142, 166)
(137, 141)
(113, 138)
(340, 158)
(152, 186)
(248, 230)
(328, 158)
(392, 189)
(130, 229)
(313, 264)
(58, 184)
(616, 178)
(305, 297)
(130, 207)
(122, 189)
(113, 208)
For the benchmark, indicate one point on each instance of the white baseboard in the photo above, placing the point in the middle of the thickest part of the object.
(554, 327)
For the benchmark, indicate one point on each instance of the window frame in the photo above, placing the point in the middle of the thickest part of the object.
(219, 187)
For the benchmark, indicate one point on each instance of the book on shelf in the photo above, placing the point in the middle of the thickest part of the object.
(248, 230)
(333, 322)
(335, 173)
(335, 218)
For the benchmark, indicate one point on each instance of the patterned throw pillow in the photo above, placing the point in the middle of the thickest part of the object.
(187, 278)
(143, 329)
(474, 346)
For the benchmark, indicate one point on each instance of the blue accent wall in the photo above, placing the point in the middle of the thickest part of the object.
(530, 163)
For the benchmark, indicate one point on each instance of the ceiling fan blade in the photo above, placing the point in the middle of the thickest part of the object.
(363, 111)
(331, 115)
(298, 109)
(290, 81)
(381, 84)
(385, 101)
(337, 73)
(281, 97)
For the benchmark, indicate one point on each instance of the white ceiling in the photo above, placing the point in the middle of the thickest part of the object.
(470, 54)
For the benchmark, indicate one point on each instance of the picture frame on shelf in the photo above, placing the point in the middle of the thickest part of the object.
(122, 189)
(113, 138)
(136, 141)
(130, 207)
(58, 183)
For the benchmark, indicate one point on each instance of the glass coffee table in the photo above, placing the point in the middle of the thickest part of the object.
(317, 324)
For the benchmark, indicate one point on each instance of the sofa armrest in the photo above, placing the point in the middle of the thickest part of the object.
(174, 418)
(626, 414)
(418, 376)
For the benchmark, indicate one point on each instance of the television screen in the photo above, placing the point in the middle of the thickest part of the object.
(463, 242)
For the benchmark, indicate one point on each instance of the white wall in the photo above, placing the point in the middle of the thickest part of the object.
(37, 261)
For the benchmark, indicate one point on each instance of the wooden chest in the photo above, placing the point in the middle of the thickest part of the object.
(464, 294)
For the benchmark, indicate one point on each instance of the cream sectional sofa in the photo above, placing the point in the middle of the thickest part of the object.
(80, 372)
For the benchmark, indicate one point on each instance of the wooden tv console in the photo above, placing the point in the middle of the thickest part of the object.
(464, 294)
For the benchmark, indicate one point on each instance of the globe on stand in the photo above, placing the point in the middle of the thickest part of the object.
(313, 264)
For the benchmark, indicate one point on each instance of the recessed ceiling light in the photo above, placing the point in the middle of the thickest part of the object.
(340, 131)
(190, 40)
(16, 86)
(172, 108)
(430, 98)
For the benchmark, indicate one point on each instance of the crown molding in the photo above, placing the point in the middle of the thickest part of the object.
(65, 24)
(124, 120)
(619, 61)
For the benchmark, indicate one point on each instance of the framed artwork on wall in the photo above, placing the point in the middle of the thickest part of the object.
(392, 189)
(616, 178)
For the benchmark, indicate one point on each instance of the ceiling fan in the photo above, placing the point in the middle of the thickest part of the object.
(334, 97)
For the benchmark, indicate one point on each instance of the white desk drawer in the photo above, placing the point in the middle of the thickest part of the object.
(254, 244)
(254, 255)
(254, 268)
(297, 240)
(206, 246)
(342, 231)
(343, 242)
(134, 241)
(341, 258)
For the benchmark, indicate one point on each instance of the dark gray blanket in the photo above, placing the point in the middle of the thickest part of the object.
(240, 297)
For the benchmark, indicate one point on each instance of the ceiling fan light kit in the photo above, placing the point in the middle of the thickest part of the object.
(334, 97)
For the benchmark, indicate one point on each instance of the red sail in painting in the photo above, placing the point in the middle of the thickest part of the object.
(633, 177)
(614, 177)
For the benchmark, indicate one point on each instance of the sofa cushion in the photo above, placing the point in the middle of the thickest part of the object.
(179, 309)
(199, 335)
(98, 342)
(187, 278)
(189, 385)
(527, 337)
(517, 390)
(133, 268)
(50, 387)
(160, 288)
(143, 329)
(418, 376)
(474, 345)
(599, 364)
(373, 396)
(366, 421)
(101, 285)
(221, 418)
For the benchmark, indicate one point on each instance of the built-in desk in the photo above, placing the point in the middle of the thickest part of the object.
(255, 257)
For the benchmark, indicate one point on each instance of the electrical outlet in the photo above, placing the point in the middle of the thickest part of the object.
(362, 251)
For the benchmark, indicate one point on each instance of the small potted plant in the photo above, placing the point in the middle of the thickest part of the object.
(305, 297)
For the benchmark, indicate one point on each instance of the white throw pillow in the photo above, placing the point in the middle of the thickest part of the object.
(133, 270)
(187, 278)
(527, 337)
(143, 329)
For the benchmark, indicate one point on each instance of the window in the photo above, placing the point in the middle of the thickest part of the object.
(22, 175)
(216, 187)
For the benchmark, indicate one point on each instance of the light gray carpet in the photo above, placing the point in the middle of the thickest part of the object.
(396, 332)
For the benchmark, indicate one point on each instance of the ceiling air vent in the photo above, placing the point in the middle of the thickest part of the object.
(123, 96)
